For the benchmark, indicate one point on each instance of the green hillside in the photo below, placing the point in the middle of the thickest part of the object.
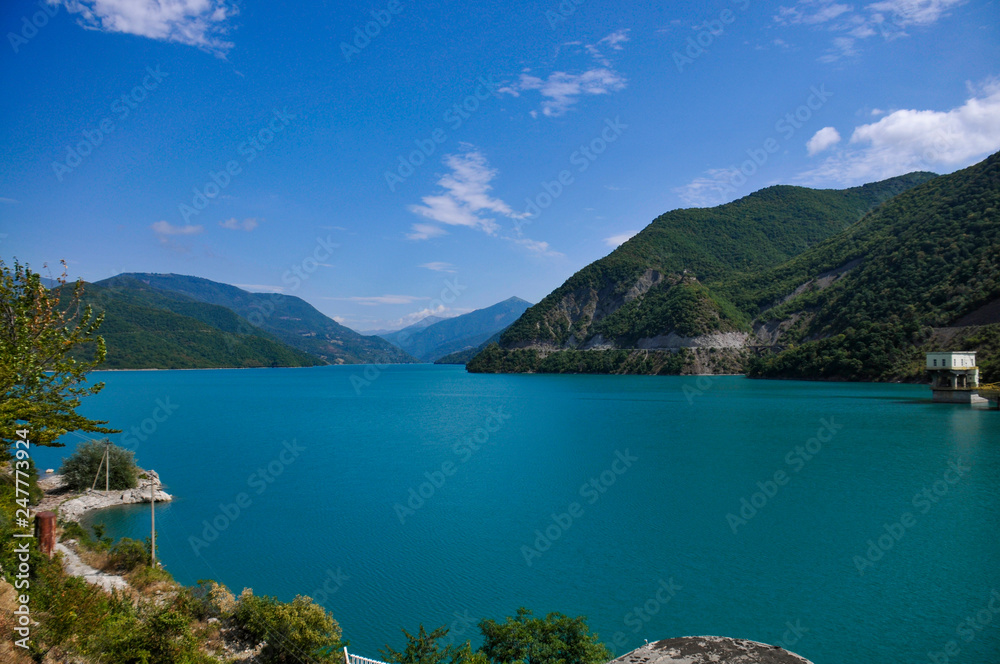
(142, 332)
(289, 319)
(655, 283)
(926, 260)
(919, 272)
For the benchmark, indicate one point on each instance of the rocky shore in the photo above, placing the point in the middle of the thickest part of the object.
(72, 506)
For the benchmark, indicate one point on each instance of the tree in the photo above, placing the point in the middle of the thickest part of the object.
(296, 631)
(41, 378)
(556, 639)
(424, 649)
(80, 469)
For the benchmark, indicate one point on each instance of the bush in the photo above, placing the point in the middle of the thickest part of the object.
(127, 554)
(81, 467)
(295, 631)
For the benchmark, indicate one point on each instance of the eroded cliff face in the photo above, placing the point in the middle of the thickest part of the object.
(578, 311)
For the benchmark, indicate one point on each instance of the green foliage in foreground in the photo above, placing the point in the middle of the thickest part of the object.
(41, 381)
(297, 631)
(81, 468)
(522, 639)
(423, 648)
(554, 639)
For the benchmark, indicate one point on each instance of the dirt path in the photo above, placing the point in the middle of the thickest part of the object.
(76, 567)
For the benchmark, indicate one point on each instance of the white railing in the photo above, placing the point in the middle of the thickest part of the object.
(357, 659)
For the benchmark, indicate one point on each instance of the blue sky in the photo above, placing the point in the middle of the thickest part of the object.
(372, 157)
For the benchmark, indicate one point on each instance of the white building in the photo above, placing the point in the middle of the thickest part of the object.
(954, 377)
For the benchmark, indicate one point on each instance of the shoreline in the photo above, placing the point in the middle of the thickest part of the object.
(72, 506)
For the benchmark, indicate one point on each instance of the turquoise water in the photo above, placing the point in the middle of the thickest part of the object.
(629, 482)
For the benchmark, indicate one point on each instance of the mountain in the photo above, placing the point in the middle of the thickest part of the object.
(390, 335)
(152, 331)
(286, 318)
(920, 273)
(707, 290)
(463, 332)
(465, 355)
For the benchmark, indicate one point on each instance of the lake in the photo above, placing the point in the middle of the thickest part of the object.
(849, 522)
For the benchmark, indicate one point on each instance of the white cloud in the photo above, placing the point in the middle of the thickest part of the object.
(438, 266)
(164, 228)
(466, 201)
(620, 239)
(9, 200)
(465, 198)
(913, 12)
(843, 47)
(825, 138)
(810, 12)
(716, 186)
(234, 224)
(908, 140)
(534, 246)
(560, 90)
(425, 232)
(201, 23)
(889, 18)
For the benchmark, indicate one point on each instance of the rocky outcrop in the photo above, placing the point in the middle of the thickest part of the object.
(709, 650)
(76, 506)
(674, 340)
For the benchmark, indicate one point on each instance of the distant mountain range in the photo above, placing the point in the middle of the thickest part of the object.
(430, 342)
(172, 321)
(419, 325)
(786, 282)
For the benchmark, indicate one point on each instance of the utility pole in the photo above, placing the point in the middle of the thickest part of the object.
(152, 519)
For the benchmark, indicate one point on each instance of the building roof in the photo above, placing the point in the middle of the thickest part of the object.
(706, 649)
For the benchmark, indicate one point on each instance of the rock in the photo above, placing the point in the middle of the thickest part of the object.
(709, 649)
(75, 508)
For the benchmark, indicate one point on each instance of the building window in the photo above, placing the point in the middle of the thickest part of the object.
(935, 362)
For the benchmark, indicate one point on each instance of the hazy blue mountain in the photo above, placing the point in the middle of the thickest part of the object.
(467, 331)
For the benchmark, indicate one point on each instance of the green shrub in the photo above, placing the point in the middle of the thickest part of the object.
(145, 576)
(81, 467)
(300, 630)
(127, 554)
